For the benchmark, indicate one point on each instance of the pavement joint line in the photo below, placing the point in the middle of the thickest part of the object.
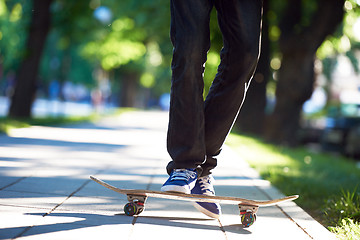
(71, 194)
(23, 232)
(291, 219)
(23, 206)
(222, 229)
(53, 209)
(282, 210)
(23, 191)
(13, 183)
(151, 180)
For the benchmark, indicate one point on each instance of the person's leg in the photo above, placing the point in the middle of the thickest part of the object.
(190, 36)
(240, 24)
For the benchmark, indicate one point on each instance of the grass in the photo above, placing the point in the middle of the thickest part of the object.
(327, 183)
(6, 124)
(342, 207)
(347, 230)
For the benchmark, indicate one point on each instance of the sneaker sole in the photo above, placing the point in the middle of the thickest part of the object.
(175, 188)
(206, 212)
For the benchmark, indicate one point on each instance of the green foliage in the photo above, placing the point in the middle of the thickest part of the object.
(212, 63)
(347, 230)
(78, 44)
(323, 181)
(213, 57)
(122, 45)
(6, 124)
(136, 39)
(354, 61)
(316, 177)
(345, 40)
(13, 26)
(62, 64)
(147, 80)
(344, 206)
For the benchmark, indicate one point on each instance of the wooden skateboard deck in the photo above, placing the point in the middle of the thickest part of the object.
(137, 198)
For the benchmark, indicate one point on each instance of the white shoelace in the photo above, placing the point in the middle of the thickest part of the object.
(206, 185)
(183, 174)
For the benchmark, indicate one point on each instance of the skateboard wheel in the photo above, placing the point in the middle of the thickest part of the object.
(130, 209)
(133, 208)
(247, 218)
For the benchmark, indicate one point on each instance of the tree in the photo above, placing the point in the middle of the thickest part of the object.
(72, 25)
(26, 78)
(135, 49)
(123, 45)
(301, 36)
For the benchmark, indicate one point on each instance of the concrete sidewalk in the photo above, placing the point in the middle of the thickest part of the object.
(45, 191)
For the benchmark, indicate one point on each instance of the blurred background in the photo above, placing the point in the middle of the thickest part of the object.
(61, 57)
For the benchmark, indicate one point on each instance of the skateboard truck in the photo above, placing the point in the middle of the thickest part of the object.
(248, 214)
(135, 205)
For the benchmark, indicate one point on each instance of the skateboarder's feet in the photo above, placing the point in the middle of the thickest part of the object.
(204, 185)
(180, 180)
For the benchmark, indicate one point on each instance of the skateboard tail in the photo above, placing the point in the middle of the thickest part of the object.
(106, 185)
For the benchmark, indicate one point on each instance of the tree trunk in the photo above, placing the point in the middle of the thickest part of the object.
(252, 115)
(296, 76)
(295, 86)
(129, 86)
(26, 78)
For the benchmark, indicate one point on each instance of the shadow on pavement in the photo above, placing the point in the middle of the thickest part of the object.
(87, 220)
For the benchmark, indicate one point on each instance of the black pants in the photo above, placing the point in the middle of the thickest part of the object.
(197, 128)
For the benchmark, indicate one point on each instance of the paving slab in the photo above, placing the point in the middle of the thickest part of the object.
(46, 193)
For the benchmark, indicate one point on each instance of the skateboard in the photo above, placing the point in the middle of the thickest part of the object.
(137, 198)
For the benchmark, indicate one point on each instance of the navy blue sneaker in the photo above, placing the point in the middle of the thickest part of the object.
(204, 185)
(180, 180)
